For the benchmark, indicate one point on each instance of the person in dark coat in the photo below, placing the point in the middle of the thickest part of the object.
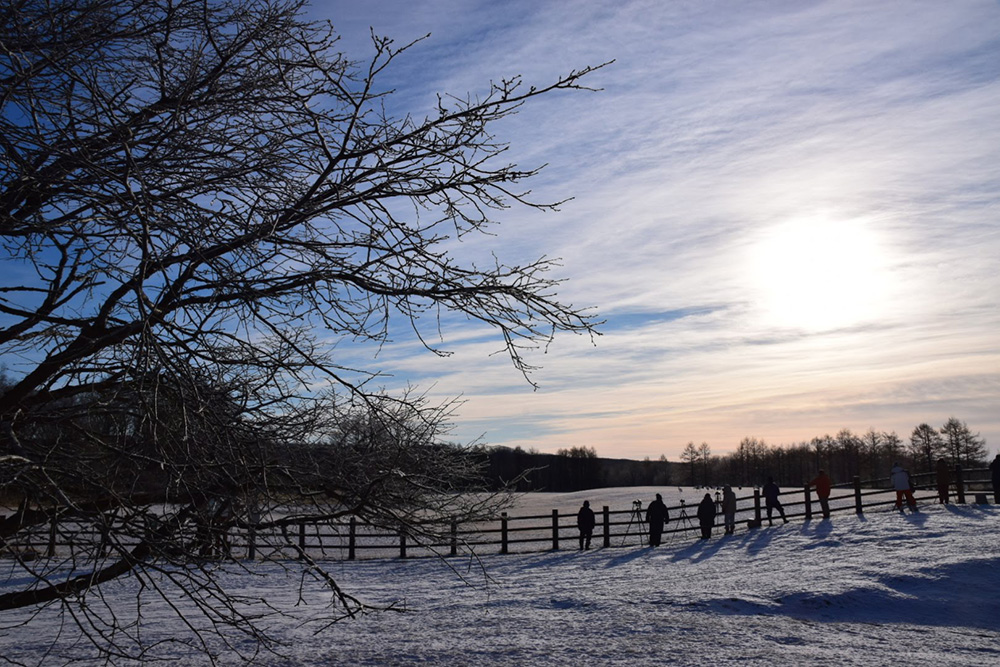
(995, 475)
(943, 474)
(729, 509)
(585, 521)
(656, 516)
(823, 486)
(706, 516)
(771, 501)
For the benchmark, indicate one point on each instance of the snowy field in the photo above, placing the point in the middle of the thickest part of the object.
(885, 588)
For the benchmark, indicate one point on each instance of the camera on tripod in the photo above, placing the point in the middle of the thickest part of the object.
(636, 519)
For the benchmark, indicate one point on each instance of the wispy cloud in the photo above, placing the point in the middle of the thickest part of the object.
(720, 126)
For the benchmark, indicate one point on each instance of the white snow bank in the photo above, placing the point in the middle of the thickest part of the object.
(880, 589)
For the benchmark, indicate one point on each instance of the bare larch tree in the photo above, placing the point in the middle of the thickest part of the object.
(201, 203)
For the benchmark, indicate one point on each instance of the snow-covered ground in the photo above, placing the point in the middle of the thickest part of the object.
(885, 588)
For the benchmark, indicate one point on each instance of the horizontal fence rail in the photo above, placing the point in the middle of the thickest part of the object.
(353, 539)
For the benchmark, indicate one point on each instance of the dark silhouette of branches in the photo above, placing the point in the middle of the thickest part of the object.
(201, 204)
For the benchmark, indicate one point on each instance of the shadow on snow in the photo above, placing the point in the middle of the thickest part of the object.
(946, 596)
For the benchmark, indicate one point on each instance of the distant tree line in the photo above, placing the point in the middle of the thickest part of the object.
(571, 469)
(868, 455)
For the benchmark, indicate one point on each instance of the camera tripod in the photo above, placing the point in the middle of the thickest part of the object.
(683, 520)
(635, 518)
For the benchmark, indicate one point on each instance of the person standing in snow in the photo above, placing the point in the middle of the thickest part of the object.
(771, 492)
(943, 474)
(656, 516)
(706, 516)
(823, 485)
(729, 509)
(901, 483)
(995, 475)
(585, 521)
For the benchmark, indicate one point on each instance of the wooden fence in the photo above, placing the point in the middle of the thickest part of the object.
(354, 539)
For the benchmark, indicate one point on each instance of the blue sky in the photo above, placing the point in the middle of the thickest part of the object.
(787, 212)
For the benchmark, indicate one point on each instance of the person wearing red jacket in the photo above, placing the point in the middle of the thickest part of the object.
(823, 485)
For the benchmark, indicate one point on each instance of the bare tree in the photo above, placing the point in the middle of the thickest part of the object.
(705, 455)
(200, 202)
(691, 456)
(751, 453)
(871, 450)
(961, 445)
(925, 446)
(892, 446)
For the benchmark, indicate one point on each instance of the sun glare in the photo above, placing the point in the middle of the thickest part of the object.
(817, 274)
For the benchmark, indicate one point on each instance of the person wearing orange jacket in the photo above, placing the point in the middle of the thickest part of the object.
(903, 485)
(823, 485)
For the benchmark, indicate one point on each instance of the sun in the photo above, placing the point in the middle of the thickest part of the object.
(817, 274)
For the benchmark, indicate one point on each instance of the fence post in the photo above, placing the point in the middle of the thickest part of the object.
(402, 543)
(454, 536)
(503, 532)
(555, 530)
(302, 538)
(857, 496)
(607, 527)
(252, 542)
(352, 538)
(960, 484)
(756, 506)
(809, 504)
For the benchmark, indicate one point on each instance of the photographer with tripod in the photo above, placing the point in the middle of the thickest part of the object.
(656, 516)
